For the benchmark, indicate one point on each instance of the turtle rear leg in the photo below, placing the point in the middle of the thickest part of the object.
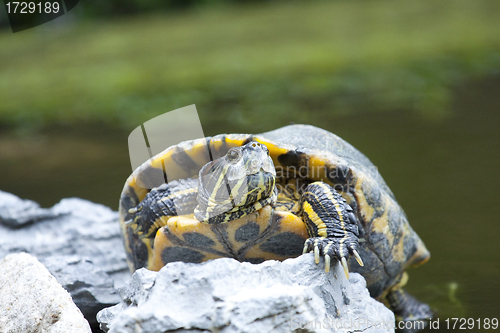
(405, 306)
(331, 225)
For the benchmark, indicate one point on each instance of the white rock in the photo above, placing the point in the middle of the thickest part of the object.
(72, 227)
(16, 212)
(227, 296)
(33, 301)
(77, 240)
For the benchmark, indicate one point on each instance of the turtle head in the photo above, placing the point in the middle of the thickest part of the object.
(248, 160)
(238, 183)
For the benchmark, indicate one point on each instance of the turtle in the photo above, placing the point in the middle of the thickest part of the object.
(272, 196)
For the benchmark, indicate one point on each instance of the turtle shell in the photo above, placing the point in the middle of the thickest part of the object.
(388, 244)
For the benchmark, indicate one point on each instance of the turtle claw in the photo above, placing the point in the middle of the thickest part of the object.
(331, 248)
(346, 270)
(327, 263)
(316, 253)
(357, 257)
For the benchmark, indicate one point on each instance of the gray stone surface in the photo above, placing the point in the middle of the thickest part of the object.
(90, 287)
(227, 296)
(72, 227)
(16, 212)
(78, 240)
(81, 245)
(33, 300)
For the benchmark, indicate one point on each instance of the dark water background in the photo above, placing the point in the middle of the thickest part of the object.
(445, 174)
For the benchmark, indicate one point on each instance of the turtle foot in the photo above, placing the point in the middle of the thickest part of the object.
(331, 248)
(408, 308)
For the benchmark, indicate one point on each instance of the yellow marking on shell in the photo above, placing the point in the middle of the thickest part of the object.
(421, 256)
(274, 150)
(381, 225)
(288, 222)
(146, 241)
(161, 242)
(178, 226)
(291, 223)
(398, 251)
(139, 191)
(365, 209)
(261, 217)
(197, 150)
(166, 155)
(236, 139)
(155, 163)
(315, 219)
(217, 145)
(316, 169)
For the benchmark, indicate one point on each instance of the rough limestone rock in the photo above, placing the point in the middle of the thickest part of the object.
(90, 287)
(16, 212)
(79, 241)
(72, 227)
(227, 296)
(33, 300)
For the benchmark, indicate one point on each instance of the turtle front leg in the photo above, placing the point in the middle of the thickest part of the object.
(331, 225)
(161, 203)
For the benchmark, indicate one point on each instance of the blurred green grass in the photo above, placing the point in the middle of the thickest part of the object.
(242, 64)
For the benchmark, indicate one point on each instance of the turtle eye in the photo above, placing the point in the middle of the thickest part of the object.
(233, 155)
